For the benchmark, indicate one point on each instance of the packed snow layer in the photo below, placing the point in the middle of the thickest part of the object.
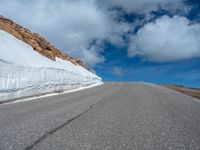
(24, 72)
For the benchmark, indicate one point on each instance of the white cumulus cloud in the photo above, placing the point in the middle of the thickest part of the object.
(167, 40)
(80, 27)
(118, 71)
(71, 25)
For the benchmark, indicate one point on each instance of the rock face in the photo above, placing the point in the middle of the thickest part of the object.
(38, 43)
(31, 66)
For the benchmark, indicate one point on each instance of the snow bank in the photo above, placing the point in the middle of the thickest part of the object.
(24, 72)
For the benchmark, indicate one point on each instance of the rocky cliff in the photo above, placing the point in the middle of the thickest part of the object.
(38, 43)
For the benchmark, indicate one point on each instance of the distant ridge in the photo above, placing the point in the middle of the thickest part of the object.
(38, 43)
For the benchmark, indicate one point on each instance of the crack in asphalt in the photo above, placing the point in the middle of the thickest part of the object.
(39, 140)
(48, 133)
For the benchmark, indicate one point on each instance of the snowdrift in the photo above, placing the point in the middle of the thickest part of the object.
(24, 72)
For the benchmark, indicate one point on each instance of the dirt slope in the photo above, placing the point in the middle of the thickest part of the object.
(185, 90)
(36, 41)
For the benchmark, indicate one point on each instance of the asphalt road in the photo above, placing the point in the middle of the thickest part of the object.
(113, 116)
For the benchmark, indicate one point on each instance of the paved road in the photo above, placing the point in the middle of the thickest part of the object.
(114, 116)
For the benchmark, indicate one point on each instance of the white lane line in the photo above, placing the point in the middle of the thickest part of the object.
(53, 94)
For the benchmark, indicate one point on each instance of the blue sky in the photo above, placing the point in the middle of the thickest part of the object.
(119, 67)
(122, 40)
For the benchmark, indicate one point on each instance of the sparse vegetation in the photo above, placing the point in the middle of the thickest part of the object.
(194, 92)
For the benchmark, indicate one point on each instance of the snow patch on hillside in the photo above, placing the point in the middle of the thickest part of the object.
(24, 72)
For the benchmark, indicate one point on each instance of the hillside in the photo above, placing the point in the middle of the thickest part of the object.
(194, 92)
(30, 65)
(38, 43)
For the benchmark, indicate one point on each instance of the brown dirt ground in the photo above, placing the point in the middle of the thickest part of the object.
(194, 92)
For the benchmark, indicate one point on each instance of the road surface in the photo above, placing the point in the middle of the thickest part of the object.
(113, 116)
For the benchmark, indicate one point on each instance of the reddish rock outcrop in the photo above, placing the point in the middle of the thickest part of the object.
(36, 41)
